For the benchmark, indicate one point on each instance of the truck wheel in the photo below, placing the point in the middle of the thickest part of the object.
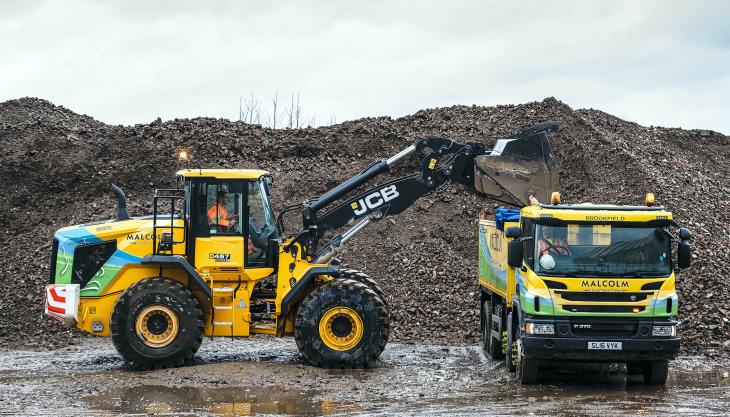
(486, 325)
(655, 372)
(342, 324)
(510, 357)
(495, 347)
(634, 368)
(157, 323)
(365, 279)
(526, 369)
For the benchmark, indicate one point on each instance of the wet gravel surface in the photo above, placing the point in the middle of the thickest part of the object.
(56, 167)
(266, 376)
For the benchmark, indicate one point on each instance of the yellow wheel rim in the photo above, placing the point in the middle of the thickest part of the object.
(341, 328)
(157, 326)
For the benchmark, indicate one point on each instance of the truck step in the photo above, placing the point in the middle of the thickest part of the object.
(222, 289)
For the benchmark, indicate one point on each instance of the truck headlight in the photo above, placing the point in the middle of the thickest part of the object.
(664, 330)
(539, 328)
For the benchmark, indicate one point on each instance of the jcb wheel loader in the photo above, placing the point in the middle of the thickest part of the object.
(213, 261)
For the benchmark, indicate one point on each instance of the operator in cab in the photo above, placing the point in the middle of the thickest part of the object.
(551, 243)
(218, 216)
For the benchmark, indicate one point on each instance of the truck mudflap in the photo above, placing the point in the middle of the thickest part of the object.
(62, 302)
(567, 345)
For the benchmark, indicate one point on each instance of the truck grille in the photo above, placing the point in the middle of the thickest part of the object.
(603, 309)
(623, 297)
(604, 328)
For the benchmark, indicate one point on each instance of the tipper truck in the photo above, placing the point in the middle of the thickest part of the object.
(581, 282)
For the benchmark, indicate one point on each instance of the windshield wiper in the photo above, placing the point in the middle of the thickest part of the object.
(593, 273)
(642, 274)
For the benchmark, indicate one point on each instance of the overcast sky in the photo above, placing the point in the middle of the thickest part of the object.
(654, 62)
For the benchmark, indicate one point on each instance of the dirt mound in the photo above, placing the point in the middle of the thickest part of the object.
(56, 166)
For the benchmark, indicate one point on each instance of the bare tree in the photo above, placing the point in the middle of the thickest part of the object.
(293, 117)
(294, 113)
(274, 110)
(249, 111)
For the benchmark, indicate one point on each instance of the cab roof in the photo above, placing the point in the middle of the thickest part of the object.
(596, 212)
(246, 174)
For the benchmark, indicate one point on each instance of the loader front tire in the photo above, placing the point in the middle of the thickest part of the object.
(157, 323)
(365, 279)
(342, 324)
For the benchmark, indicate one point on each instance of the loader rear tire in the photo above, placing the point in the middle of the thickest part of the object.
(157, 323)
(342, 324)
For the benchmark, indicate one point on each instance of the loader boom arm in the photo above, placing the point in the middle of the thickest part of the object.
(519, 165)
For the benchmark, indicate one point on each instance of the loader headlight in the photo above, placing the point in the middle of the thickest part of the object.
(539, 328)
(664, 330)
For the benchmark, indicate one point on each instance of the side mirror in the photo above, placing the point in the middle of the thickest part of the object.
(513, 232)
(514, 253)
(685, 234)
(684, 254)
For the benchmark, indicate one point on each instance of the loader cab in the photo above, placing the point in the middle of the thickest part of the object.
(231, 224)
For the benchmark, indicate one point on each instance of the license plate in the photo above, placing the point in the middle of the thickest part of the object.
(605, 346)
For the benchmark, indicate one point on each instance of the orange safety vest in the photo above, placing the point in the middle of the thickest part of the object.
(561, 248)
(222, 218)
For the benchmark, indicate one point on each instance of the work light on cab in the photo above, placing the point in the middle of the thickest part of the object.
(649, 199)
(555, 198)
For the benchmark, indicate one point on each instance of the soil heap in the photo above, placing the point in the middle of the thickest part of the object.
(56, 167)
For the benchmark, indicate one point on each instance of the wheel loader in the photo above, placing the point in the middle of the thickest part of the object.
(213, 260)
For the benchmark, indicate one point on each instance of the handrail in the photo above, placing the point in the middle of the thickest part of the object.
(173, 195)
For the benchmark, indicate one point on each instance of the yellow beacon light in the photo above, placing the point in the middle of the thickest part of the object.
(649, 200)
(555, 198)
(183, 155)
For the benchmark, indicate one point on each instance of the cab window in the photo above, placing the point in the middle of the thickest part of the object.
(220, 208)
(261, 223)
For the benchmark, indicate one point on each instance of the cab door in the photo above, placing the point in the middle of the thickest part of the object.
(220, 242)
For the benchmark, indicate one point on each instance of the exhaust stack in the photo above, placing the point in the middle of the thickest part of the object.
(122, 213)
(519, 166)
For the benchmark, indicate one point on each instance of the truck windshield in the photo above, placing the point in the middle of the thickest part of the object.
(601, 250)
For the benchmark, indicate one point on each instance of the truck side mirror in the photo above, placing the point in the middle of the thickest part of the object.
(685, 234)
(684, 254)
(514, 253)
(513, 232)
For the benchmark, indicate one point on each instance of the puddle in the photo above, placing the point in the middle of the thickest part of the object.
(575, 389)
(220, 401)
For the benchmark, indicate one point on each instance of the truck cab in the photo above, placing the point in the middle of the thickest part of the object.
(582, 282)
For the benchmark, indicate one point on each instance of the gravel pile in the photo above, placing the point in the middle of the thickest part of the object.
(56, 166)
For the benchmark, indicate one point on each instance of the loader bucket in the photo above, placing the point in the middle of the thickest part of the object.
(519, 166)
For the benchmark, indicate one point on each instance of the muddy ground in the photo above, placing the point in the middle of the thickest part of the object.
(266, 376)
